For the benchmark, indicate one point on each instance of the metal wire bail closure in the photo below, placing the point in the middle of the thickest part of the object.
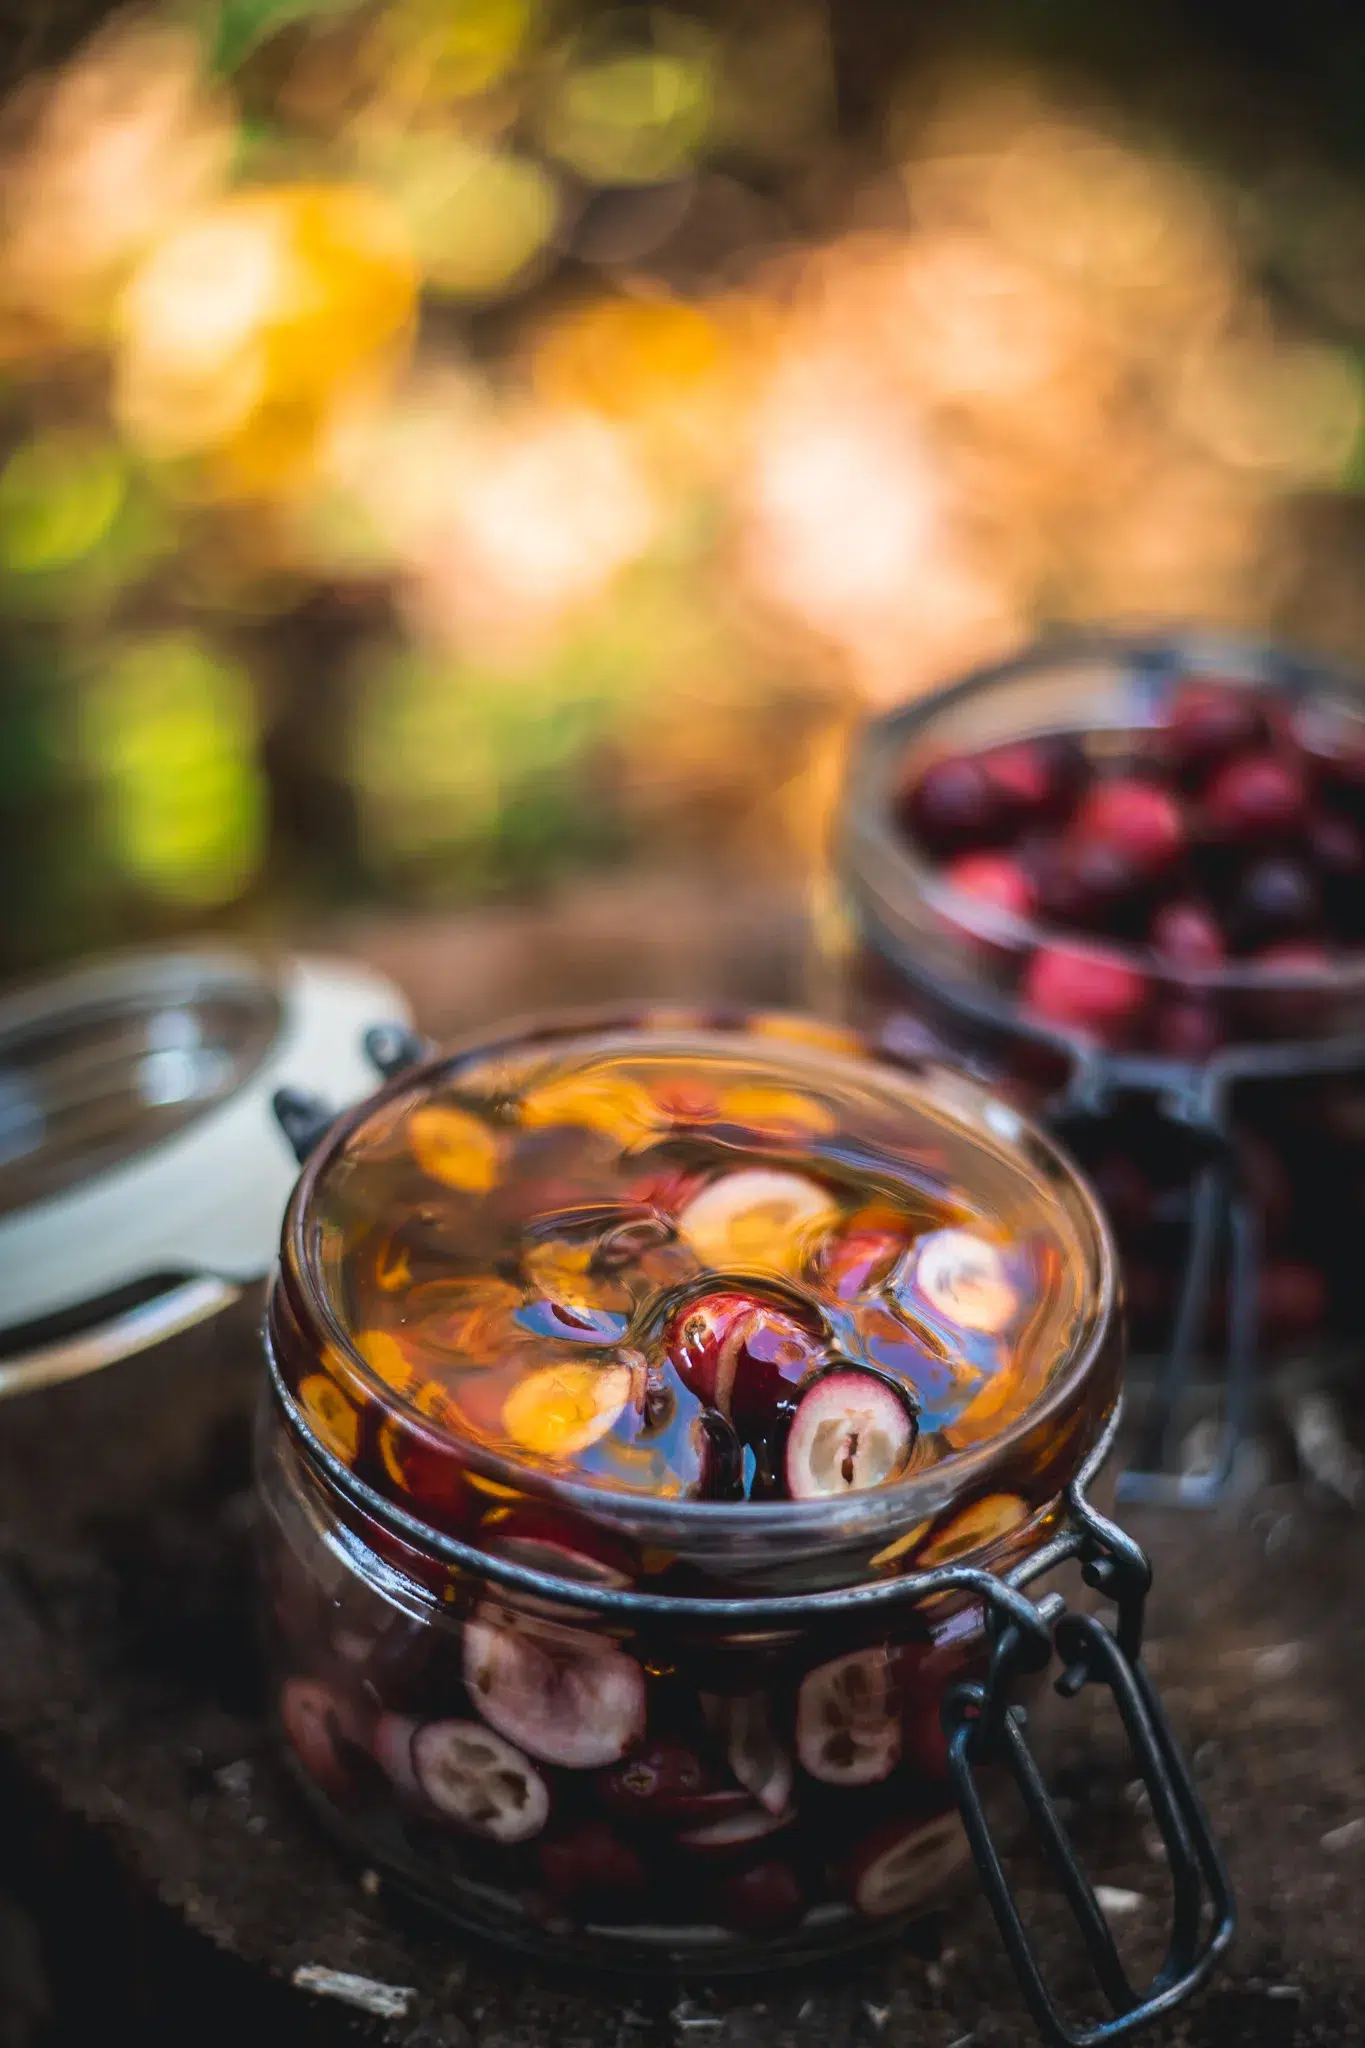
(984, 1726)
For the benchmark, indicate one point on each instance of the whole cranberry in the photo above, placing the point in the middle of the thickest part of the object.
(1037, 780)
(592, 1863)
(995, 879)
(1086, 989)
(1186, 1029)
(661, 1782)
(1276, 899)
(1255, 798)
(696, 1340)
(1188, 935)
(760, 1900)
(954, 806)
(1207, 722)
(1087, 884)
(1141, 819)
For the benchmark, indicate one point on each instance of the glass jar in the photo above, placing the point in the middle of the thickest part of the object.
(1218, 1107)
(548, 1683)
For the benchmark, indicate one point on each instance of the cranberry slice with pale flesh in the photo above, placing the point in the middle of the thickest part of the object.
(906, 1864)
(473, 1777)
(761, 1762)
(856, 1261)
(848, 1719)
(733, 1833)
(964, 1279)
(744, 1356)
(319, 1723)
(562, 1695)
(851, 1430)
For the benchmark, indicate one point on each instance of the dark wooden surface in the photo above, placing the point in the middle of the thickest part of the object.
(158, 1881)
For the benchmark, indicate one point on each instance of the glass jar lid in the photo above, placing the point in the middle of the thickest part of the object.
(686, 1262)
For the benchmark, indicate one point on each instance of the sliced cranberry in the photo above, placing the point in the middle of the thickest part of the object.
(734, 1834)
(319, 1724)
(848, 1719)
(700, 1338)
(1143, 821)
(764, 1899)
(1276, 898)
(665, 1781)
(1256, 798)
(1037, 780)
(473, 1777)
(760, 1761)
(666, 1189)
(856, 1262)
(715, 1461)
(565, 1696)
(1188, 935)
(1206, 723)
(391, 1745)
(1085, 989)
(954, 806)
(995, 879)
(906, 1864)
(851, 1430)
(742, 1355)
(964, 1279)
(592, 1863)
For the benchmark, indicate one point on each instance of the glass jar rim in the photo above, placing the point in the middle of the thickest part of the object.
(887, 860)
(879, 1513)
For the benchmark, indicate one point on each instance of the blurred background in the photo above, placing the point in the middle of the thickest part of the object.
(451, 446)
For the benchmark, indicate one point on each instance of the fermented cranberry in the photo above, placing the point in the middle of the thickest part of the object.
(1206, 723)
(1142, 820)
(1037, 780)
(1085, 990)
(1087, 883)
(763, 1899)
(1258, 797)
(696, 1341)
(1186, 1029)
(662, 1782)
(592, 1863)
(1188, 935)
(954, 805)
(1276, 898)
(855, 1262)
(744, 1356)
(995, 879)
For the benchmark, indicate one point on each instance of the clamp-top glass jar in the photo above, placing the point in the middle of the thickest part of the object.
(1124, 877)
(666, 1415)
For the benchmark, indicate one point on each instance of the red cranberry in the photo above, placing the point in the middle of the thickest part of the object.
(995, 879)
(741, 1355)
(662, 1782)
(1276, 898)
(1187, 1030)
(1293, 1298)
(1087, 883)
(1257, 797)
(855, 1262)
(1142, 820)
(593, 1862)
(1188, 935)
(1085, 989)
(697, 1339)
(1206, 723)
(954, 806)
(1037, 780)
(763, 1899)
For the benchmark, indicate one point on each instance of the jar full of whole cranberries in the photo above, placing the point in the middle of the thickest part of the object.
(675, 1425)
(1124, 877)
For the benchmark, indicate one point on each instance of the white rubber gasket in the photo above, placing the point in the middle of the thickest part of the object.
(204, 1204)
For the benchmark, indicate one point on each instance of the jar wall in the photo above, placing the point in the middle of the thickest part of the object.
(598, 1792)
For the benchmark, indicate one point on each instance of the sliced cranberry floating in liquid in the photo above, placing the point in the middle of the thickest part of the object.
(764, 1899)
(995, 879)
(474, 1778)
(954, 805)
(700, 1336)
(906, 1864)
(734, 1833)
(848, 1719)
(758, 1759)
(564, 1696)
(758, 1218)
(592, 1863)
(1256, 798)
(1143, 821)
(1085, 989)
(318, 1723)
(963, 1278)
(855, 1262)
(851, 1430)
(664, 1781)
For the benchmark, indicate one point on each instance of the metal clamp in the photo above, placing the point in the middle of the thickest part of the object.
(984, 1726)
